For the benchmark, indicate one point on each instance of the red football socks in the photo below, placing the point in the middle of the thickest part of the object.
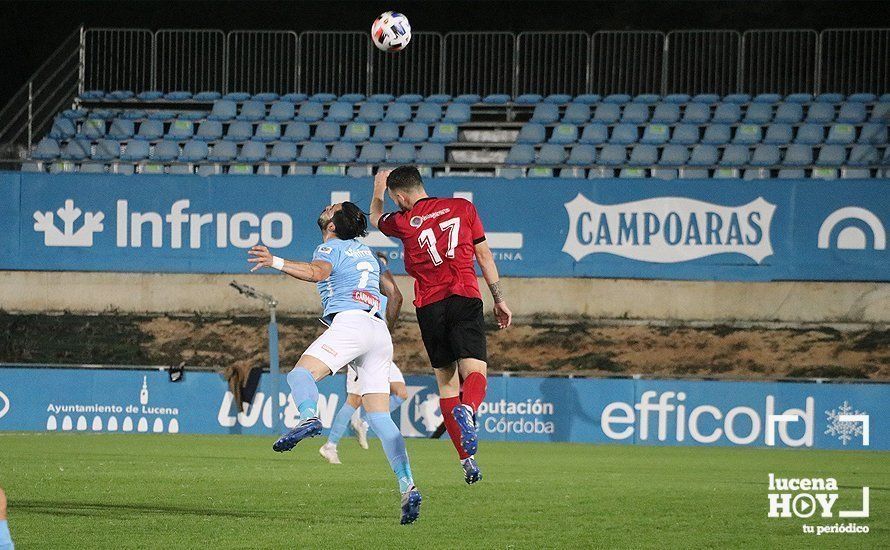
(474, 390)
(447, 404)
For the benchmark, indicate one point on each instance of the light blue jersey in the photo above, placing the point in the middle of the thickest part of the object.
(355, 278)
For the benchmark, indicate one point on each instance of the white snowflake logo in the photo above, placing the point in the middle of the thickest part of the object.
(843, 429)
(52, 236)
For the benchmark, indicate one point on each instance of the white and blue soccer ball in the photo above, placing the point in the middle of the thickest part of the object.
(391, 32)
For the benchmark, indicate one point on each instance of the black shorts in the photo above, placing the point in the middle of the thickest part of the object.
(452, 329)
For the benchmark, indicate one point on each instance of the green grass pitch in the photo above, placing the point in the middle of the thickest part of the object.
(163, 491)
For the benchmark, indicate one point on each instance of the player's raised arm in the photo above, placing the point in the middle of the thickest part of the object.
(311, 272)
(490, 272)
(379, 196)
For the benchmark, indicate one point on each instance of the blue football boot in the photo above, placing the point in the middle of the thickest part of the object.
(463, 414)
(472, 473)
(310, 427)
(411, 505)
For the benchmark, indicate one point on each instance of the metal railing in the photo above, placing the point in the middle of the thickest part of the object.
(417, 70)
(190, 59)
(335, 62)
(551, 63)
(780, 61)
(701, 61)
(855, 60)
(119, 59)
(626, 62)
(479, 63)
(262, 61)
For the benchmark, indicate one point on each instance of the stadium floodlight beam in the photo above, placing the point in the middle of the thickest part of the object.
(274, 373)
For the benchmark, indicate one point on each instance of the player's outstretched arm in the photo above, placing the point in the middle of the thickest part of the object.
(393, 298)
(490, 272)
(379, 195)
(312, 272)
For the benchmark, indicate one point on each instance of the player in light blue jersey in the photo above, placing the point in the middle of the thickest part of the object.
(348, 280)
(5, 537)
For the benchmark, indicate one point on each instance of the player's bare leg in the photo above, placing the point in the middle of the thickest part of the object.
(464, 440)
(302, 380)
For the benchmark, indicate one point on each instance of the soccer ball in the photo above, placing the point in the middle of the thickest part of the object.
(391, 32)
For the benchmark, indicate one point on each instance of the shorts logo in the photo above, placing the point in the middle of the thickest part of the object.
(329, 349)
(416, 221)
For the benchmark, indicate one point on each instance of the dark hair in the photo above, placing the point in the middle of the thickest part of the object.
(404, 178)
(350, 222)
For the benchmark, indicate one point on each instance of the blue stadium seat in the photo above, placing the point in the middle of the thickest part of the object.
(635, 113)
(678, 99)
(164, 151)
(624, 134)
(381, 98)
(599, 172)
(862, 98)
(326, 132)
(558, 99)
(617, 99)
(576, 113)
(789, 113)
(539, 172)
(313, 152)
(716, 134)
(632, 173)
(758, 113)
(810, 134)
(647, 99)
(401, 153)
(370, 112)
(707, 99)
(106, 149)
(727, 113)
(134, 114)
(322, 97)
(63, 128)
(135, 150)
(766, 155)
(399, 113)
(80, 114)
(582, 155)
(180, 130)
(120, 129)
(92, 95)
(428, 113)
(296, 131)
(880, 112)
(829, 98)
(685, 134)
(571, 172)
(696, 113)
(820, 113)
(551, 154)
(863, 155)
(294, 97)
(252, 111)
(545, 113)
(726, 172)
(92, 168)
(799, 98)
(841, 134)
(520, 153)
(191, 115)
(252, 151)
(150, 130)
(415, 132)
(467, 99)
(852, 113)
(223, 110)
(704, 155)
(283, 152)
(531, 133)
(457, 113)
(194, 151)
(47, 149)
(410, 99)
(207, 96)
(747, 134)
(664, 173)
(444, 133)
(656, 134)
(240, 169)
(359, 171)
(594, 134)
(385, 132)
(873, 133)
(607, 113)
(162, 116)
(674, 155)
(824, 173)
(778, 134)
(767, 98)
(266, 169)
(510, 173)
(372, 153)
(734, 155)
(281, 111)
(798, 155)
(643, 155)
(339, 112)
(612, 155)
(239, 131)
(666, 113)
(352, 98)
(108, 114)
(342, 152)
(496, 99)
(150, 95)
(588, 99)
(93, 128)
(739, 99)
(431, 153)
(831, 155)
(310, 112)
(564, 134)
(528, 99)
(237, 96)
(299, 171)
(789, 173)
(357, 132)
(267, 131)
(441, 99)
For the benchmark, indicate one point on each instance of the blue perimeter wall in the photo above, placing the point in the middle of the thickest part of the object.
(624, 411)
(682, 229)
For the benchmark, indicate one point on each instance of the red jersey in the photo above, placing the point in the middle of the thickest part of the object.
(440, 238)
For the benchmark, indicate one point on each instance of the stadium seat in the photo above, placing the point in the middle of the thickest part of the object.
(734, 155)
(564, 134)
(296, 131)
(357, 132)
(509, 173)
(252, 151)
(327, 132)
(223, 110)
(607, 113)
(236, 96)
(401, 153)
(820, 113)
(91, 95)
(588, 99)
(194, 151)
(239, 131)
(545, 113)
(252, 111)
(831, 155)
(612, 155)
(550, 154)
(431, 153)
(799, 98)
(415, 132)
(467, 99)
(150, 130)
(758, 113)
(852, 113)
(207, 96)
(266, 169)
(582, 155)
(716, 134)
(381, 98)
(738, 99)
(399, 113)
(873, 133)
(209, 130)
(322, 97)
(93, 128)
(352, 98)
(539, 172)
(666, 113)
(829, 98)
(664, 173)
(205, 170)
(863, 155)
(766, 155)
(385, 132)
(410, 99)
(520, 153)
(677, 99)
(841, 134)
(107, 149)
(283, 152)
(92, 168)
(342, 152)
(63, 128)
(444, 133)
(757, 174)
(767, 98)
(685, 134)
(339, 112)
(600, 172)
(707, 99)
(328, 170)
(823, 173)
(789, 113)
(617, 99)
(240, 170)
(532, 133)
(528, 99)
(32, 167)
(703, 155)
(441, 99)
(360, 171)
(647, 99)
(457, 113)
(75, 114)
(571, 172)
(428, 113)
(370, 112)
(165, 151)
(61, 167)
(281, 111)
(635, 113)
(643, 155)
(310, 112)
(862, 98)
(162, 116)
(223, 151)
(313, 152)
(810, 134)
(747, 134)
(880, 112)
(594, 134)
(47, 149)
(267, 131)
(624, 134)
(121, 129)
(798, 155)
(180, 130)
(656, 134)
(696, 113)
(576, 113)
(790, 173)
(558, 99)
(135, 150)
(674, 155)
(632, 173)
(372, 153)
(726, 173)
(727, 113)
(496, 99)
(778, 134)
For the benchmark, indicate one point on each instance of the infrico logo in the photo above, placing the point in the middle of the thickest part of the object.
(668, 229)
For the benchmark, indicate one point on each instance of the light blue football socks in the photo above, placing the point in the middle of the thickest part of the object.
(394, 447)
(395, 402)
(304, 390)
(341, 423)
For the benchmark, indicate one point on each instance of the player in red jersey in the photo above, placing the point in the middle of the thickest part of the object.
(441, 238)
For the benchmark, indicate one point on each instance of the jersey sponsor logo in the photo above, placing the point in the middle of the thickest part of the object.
(366, 298)
(358, 253)
(668, 229)
(417, 221)
(325, 249)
